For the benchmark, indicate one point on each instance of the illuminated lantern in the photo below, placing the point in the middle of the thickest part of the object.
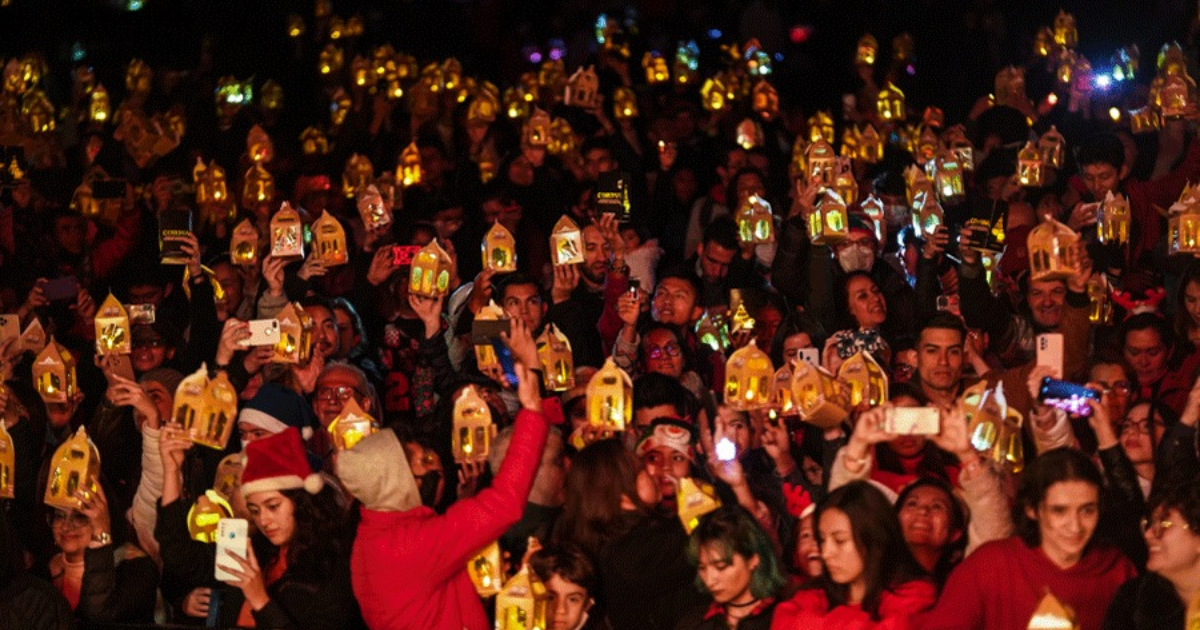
(473, 428)
(371, 208)
(850, 137)
(360, 71)
(243, 245)
(258, 186)
(350, 426)
(271, 96)
(329, 241)
(927, 214)
(948, 179)
(7, 459)
(205, 515)
(485, 354)
(890, 103)
(1177, 97)
(1065, 33)
(489, 163)
(358, 174)
(712, 331)
(868, 47)
(712, 95)
(521, 604)
(748, 377)
(566, 242)
(928, 146)
(844, 182)
(558, 364)
(820, 127)
(189, 403)
(866, 380)
(625, 106)
(1043, 42)
(14, 79)
(38, 112)
(1051, 146)
(656, 68)
(1049, 251)
(1144, 120)
(741, 320)
(430, 271)
(219, 414)
(537, 129)
(687, 63)
(54, 373)
(330, 60)
(749, 134)
(829, 223)
(295, 26)
(210, 183)
(112, 328)
(562, 137)
(755, 222)
(33, 339)
(1065, 71)
(1100, 308)
(1029, 166)
(993, 428)
(295, 335)
(408, 172)
(870, 145)
(798, 165)
(337, 28)
(313, 141)
(872, 209)
(781, 390)
(286, 239)
(820, 398)
(822, 163)
(1113, 222)
(339, 107)
(1184, 224)
(98, 107)
(354, 26)
(583, 88)
(484, 570)
(765, 100)
(551, 76)
(916, 182)
(137, 78)
(1052, 614)
(694, 499)
(610, 398)
(75, 466)
(483, 108)
(499, 249)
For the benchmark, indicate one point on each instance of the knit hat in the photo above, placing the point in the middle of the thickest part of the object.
(672, 433)
(166, 377)
(275, 408)
(376, 472)
(859, 224)
(278, 462)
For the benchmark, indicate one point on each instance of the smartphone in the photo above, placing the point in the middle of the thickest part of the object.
(108, 189)
(912, 420)
(505, 358)
(948, 303)
(140, 313)
(263, 332)
(485, 331)
(810, 355)
(59, 289)
(635, 285)
(1067, 396)
(232, 536)
(402, 255)
(119, 365)
(10, 327)
(612, 194)
(1050, 352)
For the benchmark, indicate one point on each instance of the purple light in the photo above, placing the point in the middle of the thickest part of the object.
(910, 70)
(535, 57)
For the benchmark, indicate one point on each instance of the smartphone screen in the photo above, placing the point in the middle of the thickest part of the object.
(1069, 397)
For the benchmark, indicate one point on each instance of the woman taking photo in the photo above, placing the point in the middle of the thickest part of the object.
(864, 310)
(737, 566)
(871, 579)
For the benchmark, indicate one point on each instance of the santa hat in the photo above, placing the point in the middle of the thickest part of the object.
(673, 433)
(275, 408)
(278, 462)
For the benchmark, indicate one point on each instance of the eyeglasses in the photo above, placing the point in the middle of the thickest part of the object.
(72, 519)
(1139, 427)
(341, 392)
(655, 352)
(1158, 527)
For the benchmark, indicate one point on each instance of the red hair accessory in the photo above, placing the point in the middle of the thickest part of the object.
(799, 502)
(1136, 307)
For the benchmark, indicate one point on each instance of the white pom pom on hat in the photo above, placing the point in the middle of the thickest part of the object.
(278, 462)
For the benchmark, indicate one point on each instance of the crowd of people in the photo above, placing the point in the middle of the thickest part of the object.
(642, 481)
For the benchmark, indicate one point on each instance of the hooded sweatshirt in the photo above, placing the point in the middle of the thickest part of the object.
(409, 564)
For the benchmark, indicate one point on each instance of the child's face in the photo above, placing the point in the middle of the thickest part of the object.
(567, 604)
(630, 236)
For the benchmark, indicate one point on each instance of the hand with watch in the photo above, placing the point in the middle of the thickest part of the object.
(94, 505)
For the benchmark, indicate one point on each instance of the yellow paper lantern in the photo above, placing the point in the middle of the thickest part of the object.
(484, 570)
(755, 222)
(243, 245)
(210, 183)
(693, 500)
(1049, 246)
(287, 241)
(483, 108)
(7, 459)
(610, 398)
(820, 398)
(1100, 308)
(765, 100)
(1114, 219)
(431, 268)
(1051, 146)
(927, 214)
(1052, 614)
(583, 88)
(258, 186)
(537, 129)
(499, 249)
(916, 182)
(993, 428)
(112, 328)
(655, 67)
(350, 426)
(473, 428)
(1029, 166)
(948, 178)
(890, 103)
(371, 208)
(1183, 227)
(329, 241)
(781, 390)
(521, 604)
(867, 48)
(75, 466)
(822, 163)
(189, 403)
(205, 515)
(330, 60)
(844, 182)
(1177, 97)
(749, 134)
(870, 145)
(33, 339)
(1065, 33)
(295, 335)
(313, 141)
(219, 414)
(408, 173)
(820, 127)
(358, 174)
(872, 209)
(712, 95)
(625, 104)
(554, 355)
(867, 381)
(748, 377)
(830, 222)
(54, 373)
(98, 107)
(485, 354)
(566, 242)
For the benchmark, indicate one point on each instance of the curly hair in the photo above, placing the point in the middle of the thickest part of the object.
(317, 549)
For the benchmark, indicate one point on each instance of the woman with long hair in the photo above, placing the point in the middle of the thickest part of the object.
(871, 579)
(736, 564)
(863, 310)
(645, 577)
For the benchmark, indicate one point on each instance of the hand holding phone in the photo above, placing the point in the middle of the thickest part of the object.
(1069, 397)
(232, 537)
(263, 332)
(1050, 353)
(912, 420)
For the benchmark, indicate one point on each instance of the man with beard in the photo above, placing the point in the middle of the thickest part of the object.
(325, 327)
(578, 294)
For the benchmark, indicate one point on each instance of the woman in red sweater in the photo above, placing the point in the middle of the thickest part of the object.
(1000, 585)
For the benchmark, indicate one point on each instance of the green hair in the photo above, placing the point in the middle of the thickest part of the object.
(732, 530)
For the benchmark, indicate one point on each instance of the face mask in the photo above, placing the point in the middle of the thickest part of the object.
(427, 487)
(855, 258)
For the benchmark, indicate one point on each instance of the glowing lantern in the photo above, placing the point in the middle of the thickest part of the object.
(112, 328)
(75, 466)
(485, 354)
(822, 163)
(566, 242)
(295, 26)
(928, 146)
(927, 215)
(687, 62)
(1029, 166)
(1184, 224)
(712, 331)
(765, 100)
(820, 127)
(271, 96)
(521, 604)
(781, 390)
(98, 107)
(1010, 85)
(829, 223)
(552, 77)
(1065, 33)
(330, 60)
(916, 183)
(868, 47)
(329, 241)
(844, 182)
(7, 460)
(286, 239)
(205, 515)
(748, 377)
(537, 129)
(749, 134)
(870, 145)
(656, 68)
(948, 179)
(867, 381)
(210, 183)
(430, 271)
(1051, 146)
(295, 335)
(583, 88)
(850, 137)
(610, 398)
(1100, 308)
(371, 209)
(820, 398)
(558, 364)
(1049, 246)
(741, 320)
(473, 428)
(499, 249)
(258, 186)
(1144, 120)
(313, 141)
(409, 170)
(360, 71)
(992, 427)
(890, 102)
(1052, 614)
(358, 174)
(189, 403)
(712, 95)
(872, 209)
(625, 105)
(219, 414)
(54, 373)
(1043, 42)
(243, 245)
(339, 107)
(1114, 218)
(350, 426)
(755, 222)
(515, 103)
(483, 108)
(484, 570)
(137, 78)
(798, 165)
(693, 500)
(38, 112)
(1178, 97)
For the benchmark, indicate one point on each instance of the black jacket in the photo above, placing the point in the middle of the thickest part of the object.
(1145, 602)
(646, 580)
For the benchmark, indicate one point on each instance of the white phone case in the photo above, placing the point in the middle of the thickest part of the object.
(232, 536)
(1050, 353)
(10, 327)
(811, 355)
(263, 332)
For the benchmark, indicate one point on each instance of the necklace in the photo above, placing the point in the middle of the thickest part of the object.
(749, 603)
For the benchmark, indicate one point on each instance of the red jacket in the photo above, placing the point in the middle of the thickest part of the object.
(1000, 585)
(809, 610)
(409, 568)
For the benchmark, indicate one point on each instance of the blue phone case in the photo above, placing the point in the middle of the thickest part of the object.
(504, 356)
